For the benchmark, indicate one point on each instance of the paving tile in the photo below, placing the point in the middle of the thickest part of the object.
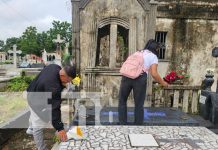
(116, 137)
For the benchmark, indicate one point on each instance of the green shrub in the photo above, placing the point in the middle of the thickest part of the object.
(6, 62)
(19, 83)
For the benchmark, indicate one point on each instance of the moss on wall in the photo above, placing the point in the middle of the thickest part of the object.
(188, 9)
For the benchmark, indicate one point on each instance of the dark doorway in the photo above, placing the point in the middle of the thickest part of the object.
(103, 47)
(122, 45)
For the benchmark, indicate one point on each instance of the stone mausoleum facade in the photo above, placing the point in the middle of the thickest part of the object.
(191, 32)
(106, 31)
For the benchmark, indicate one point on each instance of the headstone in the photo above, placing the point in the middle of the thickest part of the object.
(66, 49)
(2, 57)
(15, 52)
(3, 72)
(58, 41)
(44, 57)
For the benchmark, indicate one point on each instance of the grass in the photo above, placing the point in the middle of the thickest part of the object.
(10, 105)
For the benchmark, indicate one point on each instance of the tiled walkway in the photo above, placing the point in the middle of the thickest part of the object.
(168, 137)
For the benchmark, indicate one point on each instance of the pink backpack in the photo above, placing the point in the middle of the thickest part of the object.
(133, 67)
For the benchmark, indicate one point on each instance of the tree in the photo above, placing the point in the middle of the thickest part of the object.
(10, 42)
(32, 42)
(1, 45)
(62, 28)
(45, 42)
(28, 41)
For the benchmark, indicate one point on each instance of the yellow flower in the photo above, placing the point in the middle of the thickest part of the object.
(79, 131)
(76, 80)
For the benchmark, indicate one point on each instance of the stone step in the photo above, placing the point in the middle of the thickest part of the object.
(3, 72)
(32, 73)
(32, 69)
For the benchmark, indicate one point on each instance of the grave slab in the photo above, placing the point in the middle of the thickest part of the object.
(167, 137)
(152, 116)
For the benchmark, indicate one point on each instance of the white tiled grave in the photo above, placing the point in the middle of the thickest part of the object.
(167, 137)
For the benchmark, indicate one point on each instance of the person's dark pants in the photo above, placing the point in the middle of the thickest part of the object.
(139, 90)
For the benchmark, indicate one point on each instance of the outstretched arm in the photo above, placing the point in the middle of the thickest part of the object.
(56, 111)
(156, 76)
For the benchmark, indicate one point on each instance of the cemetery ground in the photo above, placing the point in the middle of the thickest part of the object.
(23, 141)
(20, 140)
(11, 104)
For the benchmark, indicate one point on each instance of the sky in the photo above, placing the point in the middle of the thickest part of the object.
(17, 15)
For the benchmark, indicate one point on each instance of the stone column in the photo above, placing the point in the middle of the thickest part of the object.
(141, 32)
(91, 79)
(76, 32)
(146, 27)
(92, 44)
(88, 81)
(152, 20)
(91, 82)
(151, 34)
(132, 35)
(4, 57)
(113, 45)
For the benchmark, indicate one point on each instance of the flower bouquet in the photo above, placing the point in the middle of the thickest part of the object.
(174, 76)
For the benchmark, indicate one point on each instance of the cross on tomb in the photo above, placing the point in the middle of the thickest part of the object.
(58, 41)
(15, 52)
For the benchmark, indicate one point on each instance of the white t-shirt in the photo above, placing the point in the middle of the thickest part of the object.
(149, 59)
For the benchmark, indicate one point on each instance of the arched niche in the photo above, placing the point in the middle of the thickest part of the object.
(112, 42)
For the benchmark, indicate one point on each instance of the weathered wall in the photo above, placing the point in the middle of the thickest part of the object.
(203, 38)
(165, 25)
(192, 28)
(97, 10)
(198, 9)
(136, 18)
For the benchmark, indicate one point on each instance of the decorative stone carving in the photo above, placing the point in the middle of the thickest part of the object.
(102, 55)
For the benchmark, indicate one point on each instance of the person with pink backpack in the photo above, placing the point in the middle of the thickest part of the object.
(134, 73)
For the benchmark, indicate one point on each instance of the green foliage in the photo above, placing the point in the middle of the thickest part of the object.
(56, 139)
(123, 48)
(62, 28)
(157, 88)
(28, 43)
(10, 105)
(32, 42)
(45, 42)
(6, 62)
(67, 59)
(19, 83)
(9, 43)
(1, 44)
